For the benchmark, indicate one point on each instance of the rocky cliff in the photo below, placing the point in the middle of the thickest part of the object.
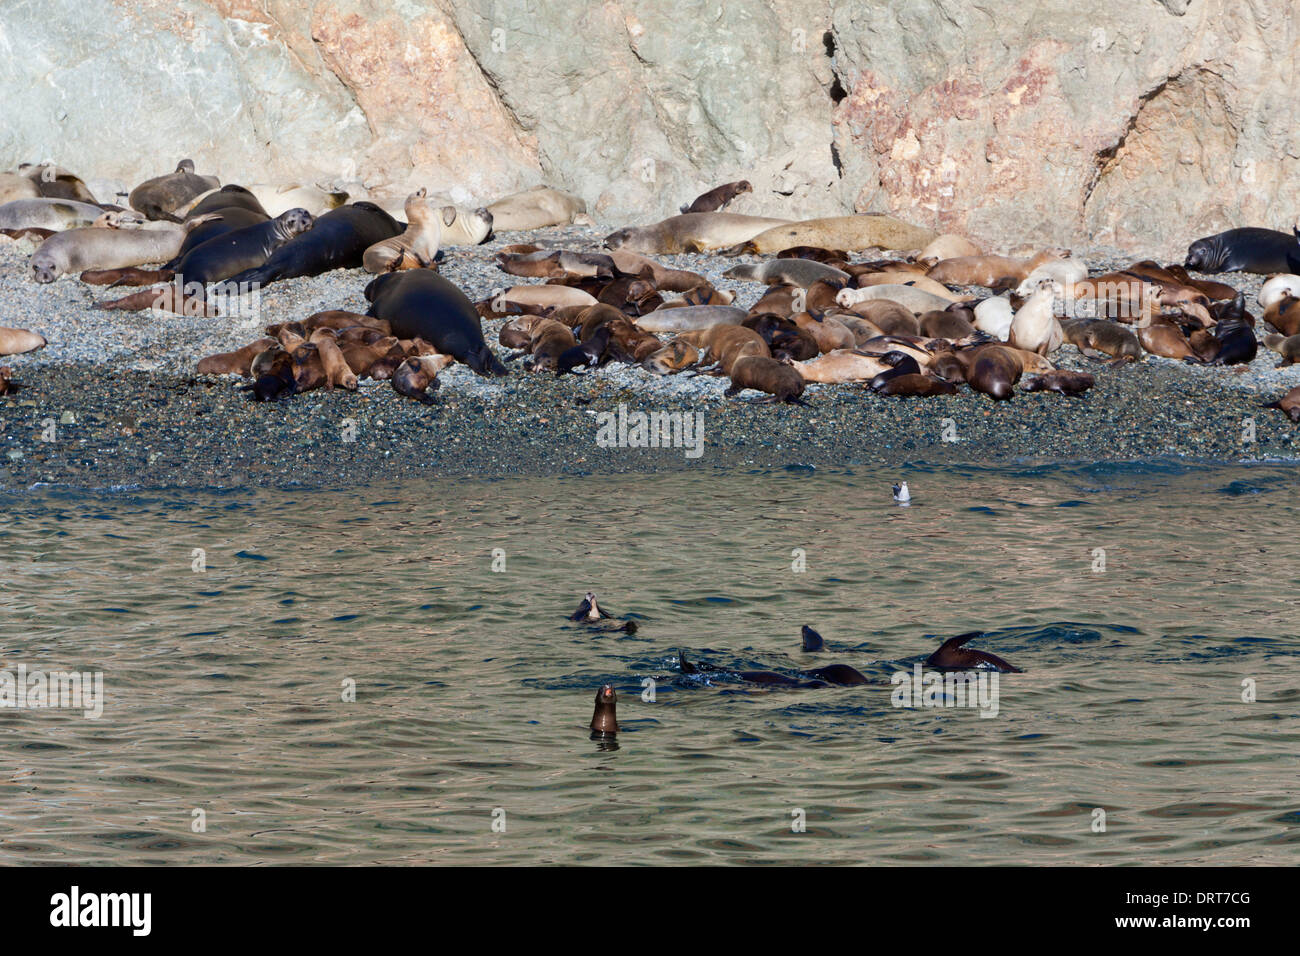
(1077, 122)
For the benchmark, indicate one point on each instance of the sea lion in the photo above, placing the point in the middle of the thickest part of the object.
(664, 278)
(828, 332)
(1278, 288)
(691, 318)
(988, 271)
(726, 344)
(948, 246)
(1064, 272)
(55, 215)
(900, 364)
(91, 248)
(995, 369)
(242, 249)
(160, 197)
(1162, 337)
(1284, 315)
(889, 317)
(1236, 337)
(1035, 327)
(946, 323)
(337, 240)
(591, 352)
(836, 232)
(1287, 346)
(784, 337)
(556, 264)
(673, 357)
(779, 379)
(1288, 404)
(338, 374)
(795, 272)
(227, 197)
(1261, 251)
(417, 376)
(811, 640)
(1099, 338)
(535, 299)
(277, 200)
(604, 719)
(917, 386)
(590, 612)
(238, 362)
(218, 224)
(917, 300)
(7, 385)
(422, 303)
(1065, 382)
(865, 280)
(832, 257)
(536, 208)
(718, 197)
(952, 656)
(18, 341)
(16, 186)
(549, 340)
(168, 298)
(417, 247)
(55, 182)
(690, 232)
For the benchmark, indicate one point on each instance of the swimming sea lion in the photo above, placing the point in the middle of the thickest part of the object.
(160, 197)
(837, 232)
(18, 341)
(690, 232)
(718, 197)
(422, 303)
(779, 379)
(604, 720)
(812, 641)
(590, 612)
(952, 656)
(1262, 251)
(337, 240)
(417, 247)
(536, 208)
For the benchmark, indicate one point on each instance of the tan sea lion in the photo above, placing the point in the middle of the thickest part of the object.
(536, 208)
(532, 298)
(18, 341)
(726, 344)
(917, 300)
(1035, 327)
(1284, 315)
(828, 332)
(691, 232)
(238, 362)
(779, 379)
(837, 232)
(949, 246)
(690, 318)
(277, 200)
(1278, 288)
(160, 197)
(1288, 404)
(673, 357)
(417, 246)
(890, 317)
(841, 365)
(1287, 346)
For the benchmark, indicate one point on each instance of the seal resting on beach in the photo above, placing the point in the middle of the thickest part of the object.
(420, 303)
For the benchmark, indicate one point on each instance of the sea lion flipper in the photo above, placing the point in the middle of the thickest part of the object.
(812, 641)
(686, 666)
(954, 642)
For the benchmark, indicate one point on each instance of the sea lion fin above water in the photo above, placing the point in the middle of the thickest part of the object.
(812, 641)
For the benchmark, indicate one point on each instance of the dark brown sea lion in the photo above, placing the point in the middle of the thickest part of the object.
(415, 378)
(422, 303)
(1061, 380)
(590, 612)
(917, 385)
(604, 720)
(779, 379)
(1163, 337)
(160, 197)
(7, 385)
(718, 197)
(1100, 339)
(952, 656)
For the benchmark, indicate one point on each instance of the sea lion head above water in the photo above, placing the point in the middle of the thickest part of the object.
(604, 719)
(588, 609)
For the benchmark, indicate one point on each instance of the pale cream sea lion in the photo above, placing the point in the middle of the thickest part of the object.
(418, 245)
(691, 232)
(536, 208)
(838, 232)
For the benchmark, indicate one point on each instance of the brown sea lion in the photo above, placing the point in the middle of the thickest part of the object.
(779, 379)
(417, 246)
(916, 384)
(691, 232)
(1287, 346)
(7, 385)
(1100, 339)
(338, 374)
(1162, 337)
(726, 344)
(548, 340)
(673, 357)
(718, 197)
(1065, 382)
(416, 377)
(828, 332)
(18, 341)
(1284, 315)
(238, 362)
(604, 719)
(1288, 404)
(183, 300)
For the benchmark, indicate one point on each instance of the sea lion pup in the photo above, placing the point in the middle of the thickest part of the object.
(915, 300)
(917, 386)
(1261, 251)
(517, 332)
(952, 656)
(889, 317)
(726, 344)
(836, 232)
(780, 380)
(1209, 287)
(988, 271)
(1035, 328)
(718, 197)
(690, 318)
(590, 612)
(7, 385)
(536, 208)
(337, 240)
(272, 373)
(338, 374)
(604, 719)
(900, 364)
(1100, 339)
(555, 264)
(1284, 315)
(1278, 288)
(592, 352)
(1065, 382)
(784, 338)
(549, 340)
(690, 232)
(1288, 404)
(55, 215)
(417, 247)
(338, 319)
(795, 272)
(238, 362)
(90, 248)
(18, 341)
(664, 278)
(535, 299)
(828, 332)
(1163, 337)
(167, 298)
(417, 376)
(421, 303)
(673, 357)
(950, 323)
(1287, 346)
(308, 368)
(949, 246)
(160, 197)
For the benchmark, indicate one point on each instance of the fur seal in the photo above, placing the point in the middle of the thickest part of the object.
(952, 656)
(837, 232)
(691, 318)
(1289, 404)
(337, 240)
(604, 719)
(795, 272)
(422, 303)
(536, 208)
(691, 232)
(160, 197)
(1262, 251)
(718, 197)
(779, 379)
(18, 341)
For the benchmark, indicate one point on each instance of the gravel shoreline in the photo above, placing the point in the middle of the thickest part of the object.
(117, 394)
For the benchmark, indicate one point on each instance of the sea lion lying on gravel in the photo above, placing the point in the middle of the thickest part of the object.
(18, 341)
(1261, 251)
(422, 303)
(690, 232)
(55, 215)
(779, 379)
(536, 208)
(337, 240)
(160, 197)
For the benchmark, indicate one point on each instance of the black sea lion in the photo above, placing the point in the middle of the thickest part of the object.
(604, 720)
(224, 221)
(952, 656)
(1065, 382)
(421, 303)
(241, 249)
(225, 198)
(812, 641)
(338, 240)
(1262, 251)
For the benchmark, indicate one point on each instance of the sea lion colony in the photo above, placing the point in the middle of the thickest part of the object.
(833, 308)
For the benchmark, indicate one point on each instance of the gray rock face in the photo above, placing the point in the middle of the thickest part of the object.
(1071, 122)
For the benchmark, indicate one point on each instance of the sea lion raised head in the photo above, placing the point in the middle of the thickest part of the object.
(604, 719)
(588, 609)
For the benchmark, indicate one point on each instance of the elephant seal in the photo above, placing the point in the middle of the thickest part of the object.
(417, 247)
(718, 197)
(53, 214)
(421, 303)
(242, 249)
(536, 208)
(1289, 404)
(604, 719)
(227, 197)
(779, 379)
(15, 186)
(95, 248)
(796, 272)
(691, 232)
(838, 232)
(18, 341)
(691, 318)
(1261, 251)
(952, 656)
(55, 182)
(160, 197)
(338, 240)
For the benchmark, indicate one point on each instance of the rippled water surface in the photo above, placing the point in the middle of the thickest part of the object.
(473, 692)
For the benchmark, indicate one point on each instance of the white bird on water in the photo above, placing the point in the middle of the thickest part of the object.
(901, 494)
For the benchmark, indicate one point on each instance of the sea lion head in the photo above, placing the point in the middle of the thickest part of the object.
(588, 610)
(296, 221)
(43, 266)
(604, 720)
(1201, 256)
(619, 238)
